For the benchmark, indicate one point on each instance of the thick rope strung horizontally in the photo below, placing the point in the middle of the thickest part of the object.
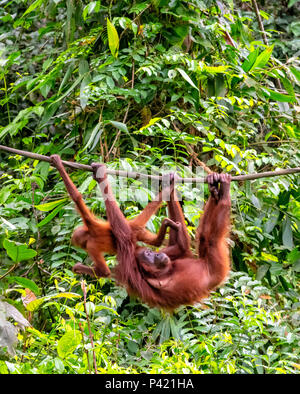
(137, 175)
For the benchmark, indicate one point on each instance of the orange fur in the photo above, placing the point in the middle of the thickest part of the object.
(185, 279)
(96, 237)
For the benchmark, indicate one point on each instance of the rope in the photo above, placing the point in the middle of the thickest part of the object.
(137, 175)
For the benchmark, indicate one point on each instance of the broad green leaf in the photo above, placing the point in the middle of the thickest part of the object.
(292, 2)
(26, 283)
(83, 67)
(294, 27)
(287, 234)
(165, 331)
(35, 304)
(13, 128)
(293, 256)
(276, 268)
(187, 78)
(113, 38)
(132, 347)
(119, 125)
(261, 271)
(33, 6)
(84, 92)
(296, 266)
(283, 98)
(255, 201)
(50, 205)
(220, 85)
(263, 58)
(123, 127)
(50, 216)
(92, 7)
(151, 122)
(18, 252)
(296, 72)
(175, 330)
(47, 63)
(248, 63)
(288, 87)
(272, 221)
(68, 343)
(5, 192)
(137, 8)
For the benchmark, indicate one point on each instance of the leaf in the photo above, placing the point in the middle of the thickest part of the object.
(132, 347)
(261, 271)
(50, 205)
(18, 252)
(68, 343)
(48, 218)
(294, 27)
(35, 304)
(8, 335)
(165, 331)
(220, 86)
(255, 201)
(296, 266)
(7, 223)
(215, 69)
(296, 73)
(248, 63)
(151, 122)
(113, 38)
(84, 92)
(12, 312)
(291, 3)
(33, 6)
(78, 80)
(69, 295)
(123, 127)
(263, 58)
(283, 98)
(94, 137)
(93, 6)
(66, 77)
(26, 283)
(137, 8)
(293, 256)
(288, 87)
(272, 221)
(287, 234)
(120, 126)
(269, 257)
(187, 78)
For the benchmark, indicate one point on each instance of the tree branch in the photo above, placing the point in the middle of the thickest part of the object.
(138, 175)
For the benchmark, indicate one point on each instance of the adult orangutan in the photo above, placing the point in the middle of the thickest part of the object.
(177, 277)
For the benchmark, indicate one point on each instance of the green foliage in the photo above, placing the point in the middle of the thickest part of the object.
(143, 86)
